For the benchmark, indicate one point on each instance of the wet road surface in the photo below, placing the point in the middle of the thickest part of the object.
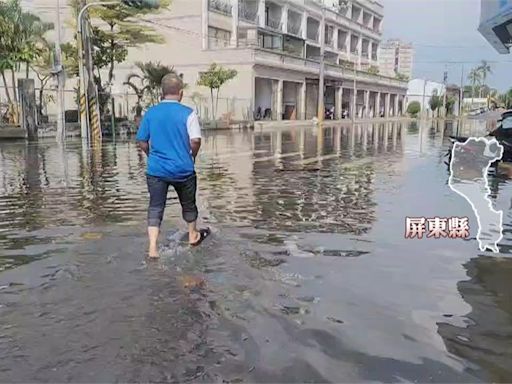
(307, 277)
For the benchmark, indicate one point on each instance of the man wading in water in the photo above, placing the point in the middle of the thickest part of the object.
(170, 135)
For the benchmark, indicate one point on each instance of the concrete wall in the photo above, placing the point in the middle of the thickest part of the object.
(311, 101)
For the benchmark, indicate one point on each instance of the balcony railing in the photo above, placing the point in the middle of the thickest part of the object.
(344, 68)
(247, 14)
(294, 27)
(220, 6)
(274, 24)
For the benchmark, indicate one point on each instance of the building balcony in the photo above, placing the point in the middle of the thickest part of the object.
(343, 70)
(220, 6)
(294, 28)
(274, 24)
(313, 37)
(247, 13)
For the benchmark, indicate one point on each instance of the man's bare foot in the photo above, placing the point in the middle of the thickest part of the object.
(153, 254)
(194, 237)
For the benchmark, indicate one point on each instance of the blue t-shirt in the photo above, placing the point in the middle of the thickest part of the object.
(167, 126)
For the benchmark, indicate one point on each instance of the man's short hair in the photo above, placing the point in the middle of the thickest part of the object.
(171, 85)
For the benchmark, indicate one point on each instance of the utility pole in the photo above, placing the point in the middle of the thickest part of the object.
(84, 102)
(354, 96)
(321, 96)
(461, 95)
(423, 109)
(445, 80)
(61, 80)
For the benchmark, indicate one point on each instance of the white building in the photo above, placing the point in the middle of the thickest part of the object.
(396, 57)
(421, 90)
(275, 47)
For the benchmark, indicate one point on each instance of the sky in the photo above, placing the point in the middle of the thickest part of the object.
(445, 38)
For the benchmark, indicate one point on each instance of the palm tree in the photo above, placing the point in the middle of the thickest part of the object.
(474, 77)
(149, 82)
(138, 89)
(484, 70)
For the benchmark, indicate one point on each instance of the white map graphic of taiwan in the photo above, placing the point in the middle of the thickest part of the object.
(468, 177)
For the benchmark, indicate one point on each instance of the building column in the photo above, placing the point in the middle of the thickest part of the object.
(396, 105)
(377, 104)
(234, 26)
(335, 38)
(261, 13)
(366, 103)
(359, 51)
(204, 23)
(404, 106)
(284, 18)
(302, 112)
(304, 27)
(386, 104)
(338, 103)
(279, 106)
(353, 103)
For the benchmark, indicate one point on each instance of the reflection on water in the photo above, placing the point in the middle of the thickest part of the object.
(308, 275)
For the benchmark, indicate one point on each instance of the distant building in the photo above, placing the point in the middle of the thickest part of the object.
(496, 24)
(396, 57)
(275, 46)
(421, 90)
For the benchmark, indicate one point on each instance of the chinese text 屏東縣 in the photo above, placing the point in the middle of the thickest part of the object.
(437, 227)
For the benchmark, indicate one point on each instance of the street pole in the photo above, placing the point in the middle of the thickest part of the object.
(354, 91)
(84, 102)
(321, 95)
(445, 90)
(85, 117)
(424, 110)
(59, 69)
(461, 93)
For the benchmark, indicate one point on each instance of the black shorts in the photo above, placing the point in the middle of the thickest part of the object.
(158, 188)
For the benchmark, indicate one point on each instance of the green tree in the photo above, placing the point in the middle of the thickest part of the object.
(484, 69)
(21, 42)
(506, 99)
(414, 108)
(42, 67)
(122, 32)
(214, 79)
(150, 80)
(435, 102)
(450, 103)
(474, 77)
(118, 31)
(401, 76)
(373, 70)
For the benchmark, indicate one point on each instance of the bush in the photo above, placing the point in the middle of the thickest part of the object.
(414, 108)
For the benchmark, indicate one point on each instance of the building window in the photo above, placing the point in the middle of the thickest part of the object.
(270, 41)
(218, 38)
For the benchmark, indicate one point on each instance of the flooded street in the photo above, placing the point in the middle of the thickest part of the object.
(307, 277)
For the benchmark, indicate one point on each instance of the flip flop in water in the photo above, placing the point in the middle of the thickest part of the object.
(203, 234)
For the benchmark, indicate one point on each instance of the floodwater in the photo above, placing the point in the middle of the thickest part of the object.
(306, 278)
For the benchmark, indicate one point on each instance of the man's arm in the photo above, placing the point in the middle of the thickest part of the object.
(144, 146)
(195, 144)
(143, 135)
(194, 134)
